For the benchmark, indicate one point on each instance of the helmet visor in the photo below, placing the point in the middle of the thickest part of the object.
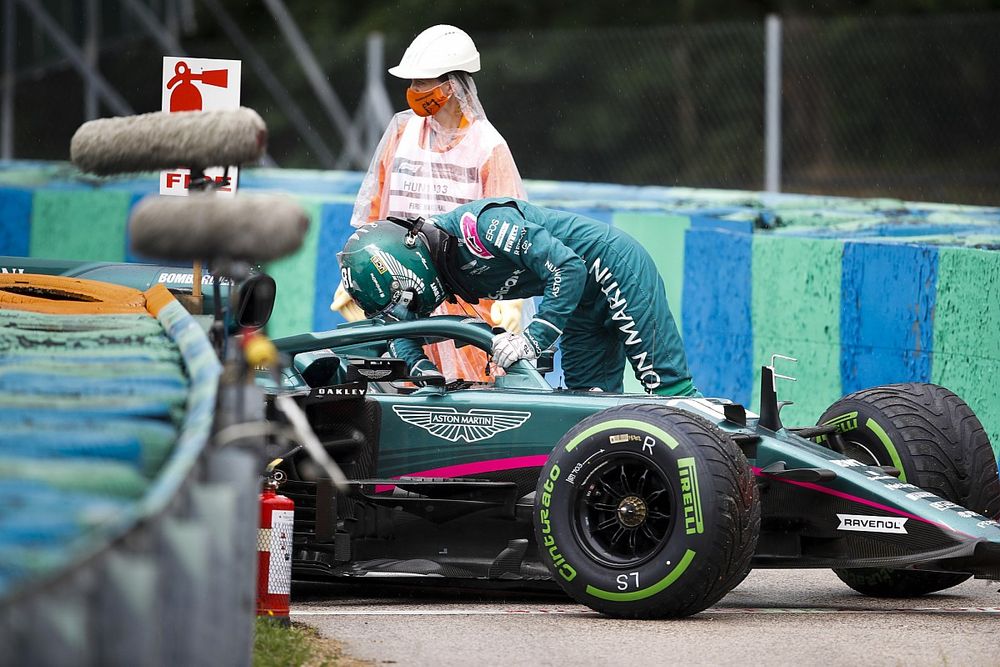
(398, 309)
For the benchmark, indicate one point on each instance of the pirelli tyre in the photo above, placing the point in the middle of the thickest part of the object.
(937, 443)
(646, 511)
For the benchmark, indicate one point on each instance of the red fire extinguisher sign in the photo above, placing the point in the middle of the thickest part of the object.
(199, 84)
(184, 94)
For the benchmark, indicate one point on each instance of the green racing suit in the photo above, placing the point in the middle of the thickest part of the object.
(600, 292)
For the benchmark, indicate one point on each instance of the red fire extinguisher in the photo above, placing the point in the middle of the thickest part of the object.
(274, 549)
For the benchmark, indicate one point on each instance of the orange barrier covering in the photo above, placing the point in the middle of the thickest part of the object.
(157, 297)
(60, 295)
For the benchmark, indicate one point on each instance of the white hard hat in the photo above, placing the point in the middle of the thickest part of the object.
(436, 51)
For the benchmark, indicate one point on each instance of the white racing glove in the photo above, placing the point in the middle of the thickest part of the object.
(511, 347)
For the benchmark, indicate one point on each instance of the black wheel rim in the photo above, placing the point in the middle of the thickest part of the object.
(624, 510)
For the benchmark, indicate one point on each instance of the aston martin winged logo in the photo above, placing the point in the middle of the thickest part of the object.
(374, 373)
(452, 425)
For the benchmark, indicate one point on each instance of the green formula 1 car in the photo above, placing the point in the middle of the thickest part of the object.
(636, 505)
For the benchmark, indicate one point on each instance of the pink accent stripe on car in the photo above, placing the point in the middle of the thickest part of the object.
(470, 469)
(846, 496)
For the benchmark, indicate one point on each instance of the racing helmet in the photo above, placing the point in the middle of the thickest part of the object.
(435, 52)
(389, 271)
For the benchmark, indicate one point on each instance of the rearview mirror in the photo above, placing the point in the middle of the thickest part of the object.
(256, 301)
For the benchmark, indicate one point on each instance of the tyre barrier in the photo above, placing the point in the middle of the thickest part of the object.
(747, 273)
(58, 295)
(127, 537)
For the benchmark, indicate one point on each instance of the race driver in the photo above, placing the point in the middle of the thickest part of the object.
(601, 291)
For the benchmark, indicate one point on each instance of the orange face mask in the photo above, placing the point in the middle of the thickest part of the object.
(428, 102)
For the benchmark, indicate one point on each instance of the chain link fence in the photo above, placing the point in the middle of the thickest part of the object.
(886, 107)
(898, 107)
(902, 107)
(665, 106)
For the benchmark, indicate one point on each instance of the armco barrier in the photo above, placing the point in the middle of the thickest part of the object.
(862, 292)
(167, 576)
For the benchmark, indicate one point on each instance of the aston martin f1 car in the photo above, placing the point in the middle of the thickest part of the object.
(636, 505)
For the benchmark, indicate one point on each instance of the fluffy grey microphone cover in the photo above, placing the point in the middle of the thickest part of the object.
(162, 140)
(254, 228)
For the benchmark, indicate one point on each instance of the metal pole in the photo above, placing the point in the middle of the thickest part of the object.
(116, 102)
(274, 86)
(188, 22)
(772, 101)
(172, 18)
(163, 36)
(317, 79)
(375, 111)
(380, 107)
(772, 104)
(9, 63)
(91, 51)
(168, 42)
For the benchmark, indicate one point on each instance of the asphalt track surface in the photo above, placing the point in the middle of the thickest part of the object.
(775, 617)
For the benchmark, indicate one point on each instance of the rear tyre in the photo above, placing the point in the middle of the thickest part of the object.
(937, 443)
(646, 511)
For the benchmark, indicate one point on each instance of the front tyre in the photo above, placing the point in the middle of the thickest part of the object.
(937, 443)
(646, 511)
